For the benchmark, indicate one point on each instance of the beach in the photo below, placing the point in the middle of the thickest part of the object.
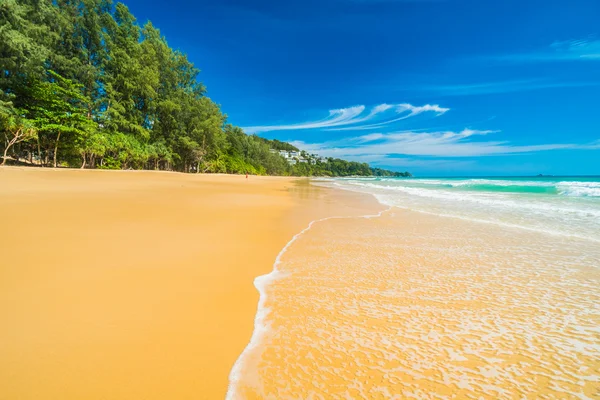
(131, 284)
(160, 285)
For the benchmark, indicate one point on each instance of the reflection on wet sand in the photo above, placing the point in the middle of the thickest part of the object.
(410, 305)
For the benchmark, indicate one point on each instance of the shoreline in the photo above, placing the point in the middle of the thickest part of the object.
(349, 288)
(261, 283)
(140, 285)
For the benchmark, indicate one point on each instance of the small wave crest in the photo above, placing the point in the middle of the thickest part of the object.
(555, 187)
(579, 189)
(573, 211)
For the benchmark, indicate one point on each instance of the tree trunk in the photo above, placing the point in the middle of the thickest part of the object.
(56, 150)
(39, 152)
(8, 146)
(5, 155)
(83, 163)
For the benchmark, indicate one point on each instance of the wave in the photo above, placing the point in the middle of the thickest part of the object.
(260, 320)
(388, 202)
(488, 199)
(579, 189)
(575, 214)
(557, 187)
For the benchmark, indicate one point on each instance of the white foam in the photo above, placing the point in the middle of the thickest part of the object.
(572, 189)
(383, 201)
(577, 218)
(260, 327)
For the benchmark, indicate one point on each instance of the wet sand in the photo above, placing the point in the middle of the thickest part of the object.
(139, 285)
(415, 306)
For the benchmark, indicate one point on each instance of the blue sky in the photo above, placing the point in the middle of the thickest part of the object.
(436, 87)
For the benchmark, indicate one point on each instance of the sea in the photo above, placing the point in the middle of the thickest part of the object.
(461, 288)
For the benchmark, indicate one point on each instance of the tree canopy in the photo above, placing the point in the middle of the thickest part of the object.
(82, 84)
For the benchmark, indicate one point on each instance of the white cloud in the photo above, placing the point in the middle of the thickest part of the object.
(581, 48)
(354, 118)
(405, 110)
(592, 146)
(566, 50)
(501, 87)
(446, 144)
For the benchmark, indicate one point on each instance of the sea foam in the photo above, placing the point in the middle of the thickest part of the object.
(260, 325)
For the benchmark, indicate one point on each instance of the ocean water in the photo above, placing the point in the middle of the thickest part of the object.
(558, 206)
(461, 288)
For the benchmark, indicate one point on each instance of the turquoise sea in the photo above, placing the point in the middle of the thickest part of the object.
(559, 206)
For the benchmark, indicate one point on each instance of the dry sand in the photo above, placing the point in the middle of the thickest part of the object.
(138, 285)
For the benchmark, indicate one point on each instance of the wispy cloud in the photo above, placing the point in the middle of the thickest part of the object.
(566, 50)
(357, 118)
(468, 89)
(594, 145)
(446, 144)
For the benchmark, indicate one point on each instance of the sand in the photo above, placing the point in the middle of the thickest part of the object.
(417, 306)
(139, 285)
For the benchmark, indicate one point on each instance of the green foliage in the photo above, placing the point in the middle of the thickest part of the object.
(57, 107)
(311, 165)
(16, 129)
(277, 145)
(100, 91)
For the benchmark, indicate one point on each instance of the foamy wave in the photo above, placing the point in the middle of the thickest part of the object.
(490, 199)
(260, 326)
(474, 182)
(566, 188)
(389, 202)
(567, 215)
(579, 189)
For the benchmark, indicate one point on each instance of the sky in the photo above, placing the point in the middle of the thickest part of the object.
(434, 87)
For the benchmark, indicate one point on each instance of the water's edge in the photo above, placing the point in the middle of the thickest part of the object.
(261, 283)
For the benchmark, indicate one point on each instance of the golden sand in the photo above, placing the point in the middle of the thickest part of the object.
(138, 285)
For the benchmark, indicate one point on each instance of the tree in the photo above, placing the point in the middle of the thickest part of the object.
(59, 110)
(16, 129)
(92, 145)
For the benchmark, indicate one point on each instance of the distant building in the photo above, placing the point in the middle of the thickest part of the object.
(284, 154)
(292, 161)
(293, 154)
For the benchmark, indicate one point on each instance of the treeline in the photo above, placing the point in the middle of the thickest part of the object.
(83, 85)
